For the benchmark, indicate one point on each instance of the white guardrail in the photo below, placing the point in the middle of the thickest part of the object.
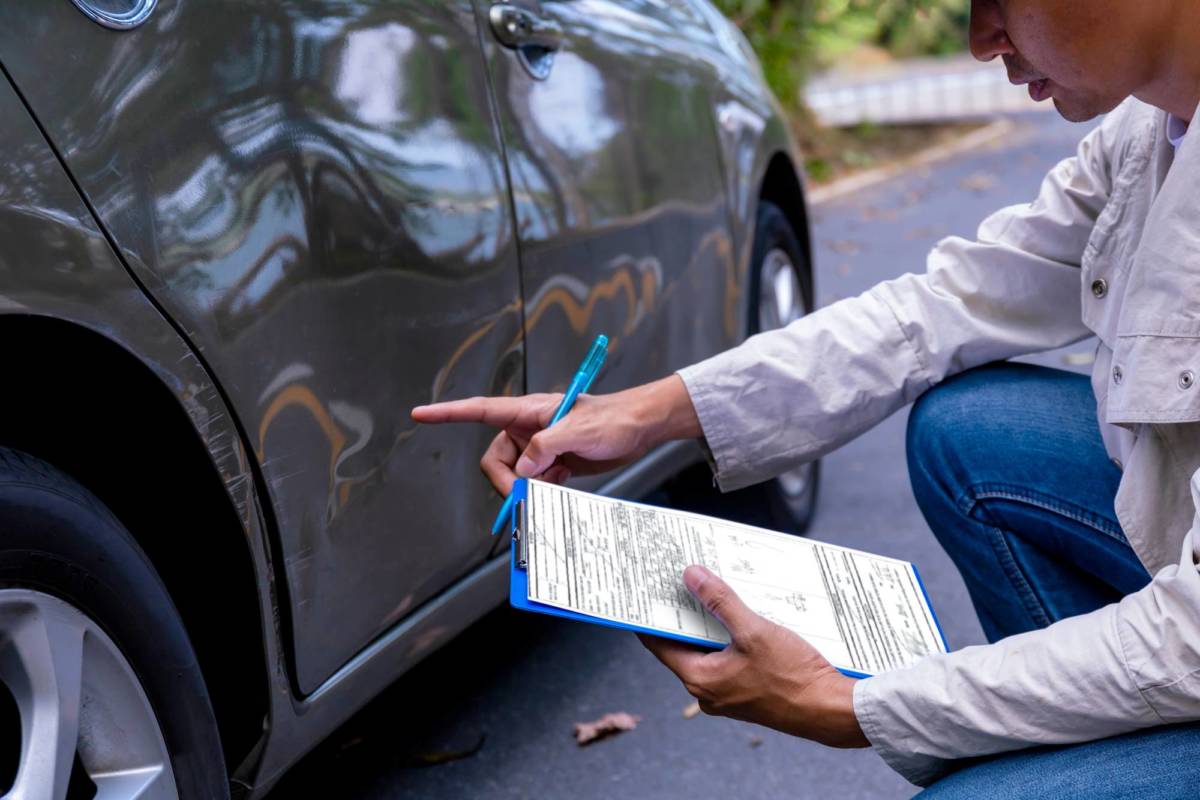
(918, 91)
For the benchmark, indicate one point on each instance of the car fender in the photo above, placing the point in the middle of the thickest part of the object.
(57, 263)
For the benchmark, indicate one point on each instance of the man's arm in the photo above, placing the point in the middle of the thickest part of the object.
(794, 394)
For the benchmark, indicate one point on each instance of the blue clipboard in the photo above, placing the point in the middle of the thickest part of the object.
(518, 594)
(518, 589)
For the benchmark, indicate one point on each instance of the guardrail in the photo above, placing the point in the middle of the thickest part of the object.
(918, 91)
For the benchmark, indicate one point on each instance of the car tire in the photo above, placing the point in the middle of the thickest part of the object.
(93, 650)
(785, 503)
(781, 291)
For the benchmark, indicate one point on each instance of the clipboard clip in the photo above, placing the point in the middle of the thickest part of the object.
(519, 535)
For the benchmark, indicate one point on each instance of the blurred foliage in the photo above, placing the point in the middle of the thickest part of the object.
(793, 37)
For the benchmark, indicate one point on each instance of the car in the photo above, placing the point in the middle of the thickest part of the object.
(238, 242)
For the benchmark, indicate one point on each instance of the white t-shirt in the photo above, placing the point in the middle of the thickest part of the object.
(1176, 129)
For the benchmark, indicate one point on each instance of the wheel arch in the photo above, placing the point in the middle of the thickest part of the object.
(781, 185)
(80, 401)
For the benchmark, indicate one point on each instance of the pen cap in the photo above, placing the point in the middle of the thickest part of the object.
(594, 360)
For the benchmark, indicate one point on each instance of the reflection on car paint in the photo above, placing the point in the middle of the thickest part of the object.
(317, 195)
(312, 183)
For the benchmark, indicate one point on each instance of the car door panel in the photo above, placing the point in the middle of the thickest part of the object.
(315, 193)
(618, 191)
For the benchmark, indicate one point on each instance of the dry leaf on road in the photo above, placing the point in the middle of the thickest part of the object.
(978, 182)
(435, 757)
(587, 732)
(846, 247)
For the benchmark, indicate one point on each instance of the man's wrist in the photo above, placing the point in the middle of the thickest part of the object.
(665, 411)
(838, 710)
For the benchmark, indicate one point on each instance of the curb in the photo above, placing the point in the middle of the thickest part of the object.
(854, 183)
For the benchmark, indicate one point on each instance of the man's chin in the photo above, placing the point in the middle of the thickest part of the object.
(1076, 110)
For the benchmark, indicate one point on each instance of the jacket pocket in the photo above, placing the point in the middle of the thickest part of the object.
(1153, 379)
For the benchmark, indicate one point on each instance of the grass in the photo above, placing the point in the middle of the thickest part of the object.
(833, 153)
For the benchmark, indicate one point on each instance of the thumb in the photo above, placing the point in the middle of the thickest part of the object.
(720, 600)
(544, 447)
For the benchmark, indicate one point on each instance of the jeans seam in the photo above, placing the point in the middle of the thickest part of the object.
(975, 494)
(1008, 562)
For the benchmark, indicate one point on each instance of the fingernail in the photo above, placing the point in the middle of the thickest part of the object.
(525, 466)
(695, 576)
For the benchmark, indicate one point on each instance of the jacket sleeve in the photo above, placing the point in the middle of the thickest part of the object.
(1130, 665)
(793, 394)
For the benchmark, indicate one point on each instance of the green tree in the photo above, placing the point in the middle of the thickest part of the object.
(792, 37)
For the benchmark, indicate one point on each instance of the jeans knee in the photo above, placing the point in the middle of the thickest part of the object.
(934, 425)
(947, 429)
(950, 421)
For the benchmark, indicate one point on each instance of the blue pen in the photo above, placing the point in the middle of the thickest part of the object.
(582, 381)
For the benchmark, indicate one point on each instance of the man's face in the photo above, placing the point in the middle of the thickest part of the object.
(1088, 55)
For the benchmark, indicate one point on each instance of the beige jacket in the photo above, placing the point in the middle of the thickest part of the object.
(1111, 247)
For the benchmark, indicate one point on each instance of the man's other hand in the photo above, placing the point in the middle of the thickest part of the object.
(767, 675)
(601, 432)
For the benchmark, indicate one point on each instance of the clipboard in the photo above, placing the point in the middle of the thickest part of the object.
(518, 592)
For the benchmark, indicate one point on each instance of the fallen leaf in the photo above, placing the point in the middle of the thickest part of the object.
(876, 214)
(691, 710)
(978, 182)
(924, 232)
(354, 741)
(435, 757)
(847, 247)
(615, 722)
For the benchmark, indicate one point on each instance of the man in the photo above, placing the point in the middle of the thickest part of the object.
(1056, 500)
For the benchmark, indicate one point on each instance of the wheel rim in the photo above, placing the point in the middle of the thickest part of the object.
(83, 713)
(780, 303)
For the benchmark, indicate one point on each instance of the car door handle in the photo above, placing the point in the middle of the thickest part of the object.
(519, 28)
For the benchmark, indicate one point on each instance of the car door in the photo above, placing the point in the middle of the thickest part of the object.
(606, 110)
(315, 193)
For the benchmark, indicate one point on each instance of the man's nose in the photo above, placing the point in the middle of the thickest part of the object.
(988, 36)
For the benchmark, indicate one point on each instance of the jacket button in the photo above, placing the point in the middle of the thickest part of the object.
(1099, 287)
(1187, 379)
(1117, 375)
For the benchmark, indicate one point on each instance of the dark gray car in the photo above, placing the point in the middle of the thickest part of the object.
(238, 242)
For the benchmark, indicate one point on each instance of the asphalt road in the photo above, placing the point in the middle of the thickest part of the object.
(513, 684)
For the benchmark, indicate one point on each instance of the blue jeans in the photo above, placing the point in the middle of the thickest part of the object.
(1008, 468)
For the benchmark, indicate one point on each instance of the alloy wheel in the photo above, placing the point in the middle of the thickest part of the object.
(86, 727)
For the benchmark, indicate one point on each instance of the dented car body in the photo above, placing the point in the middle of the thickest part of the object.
(295, 221)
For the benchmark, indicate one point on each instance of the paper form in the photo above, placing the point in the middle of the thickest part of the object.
(624, 562)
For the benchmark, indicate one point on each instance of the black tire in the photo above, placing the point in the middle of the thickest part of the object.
(789, 511)
(58, 539)
(767, 504)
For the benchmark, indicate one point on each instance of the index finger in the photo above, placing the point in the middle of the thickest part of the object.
(499, 412)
